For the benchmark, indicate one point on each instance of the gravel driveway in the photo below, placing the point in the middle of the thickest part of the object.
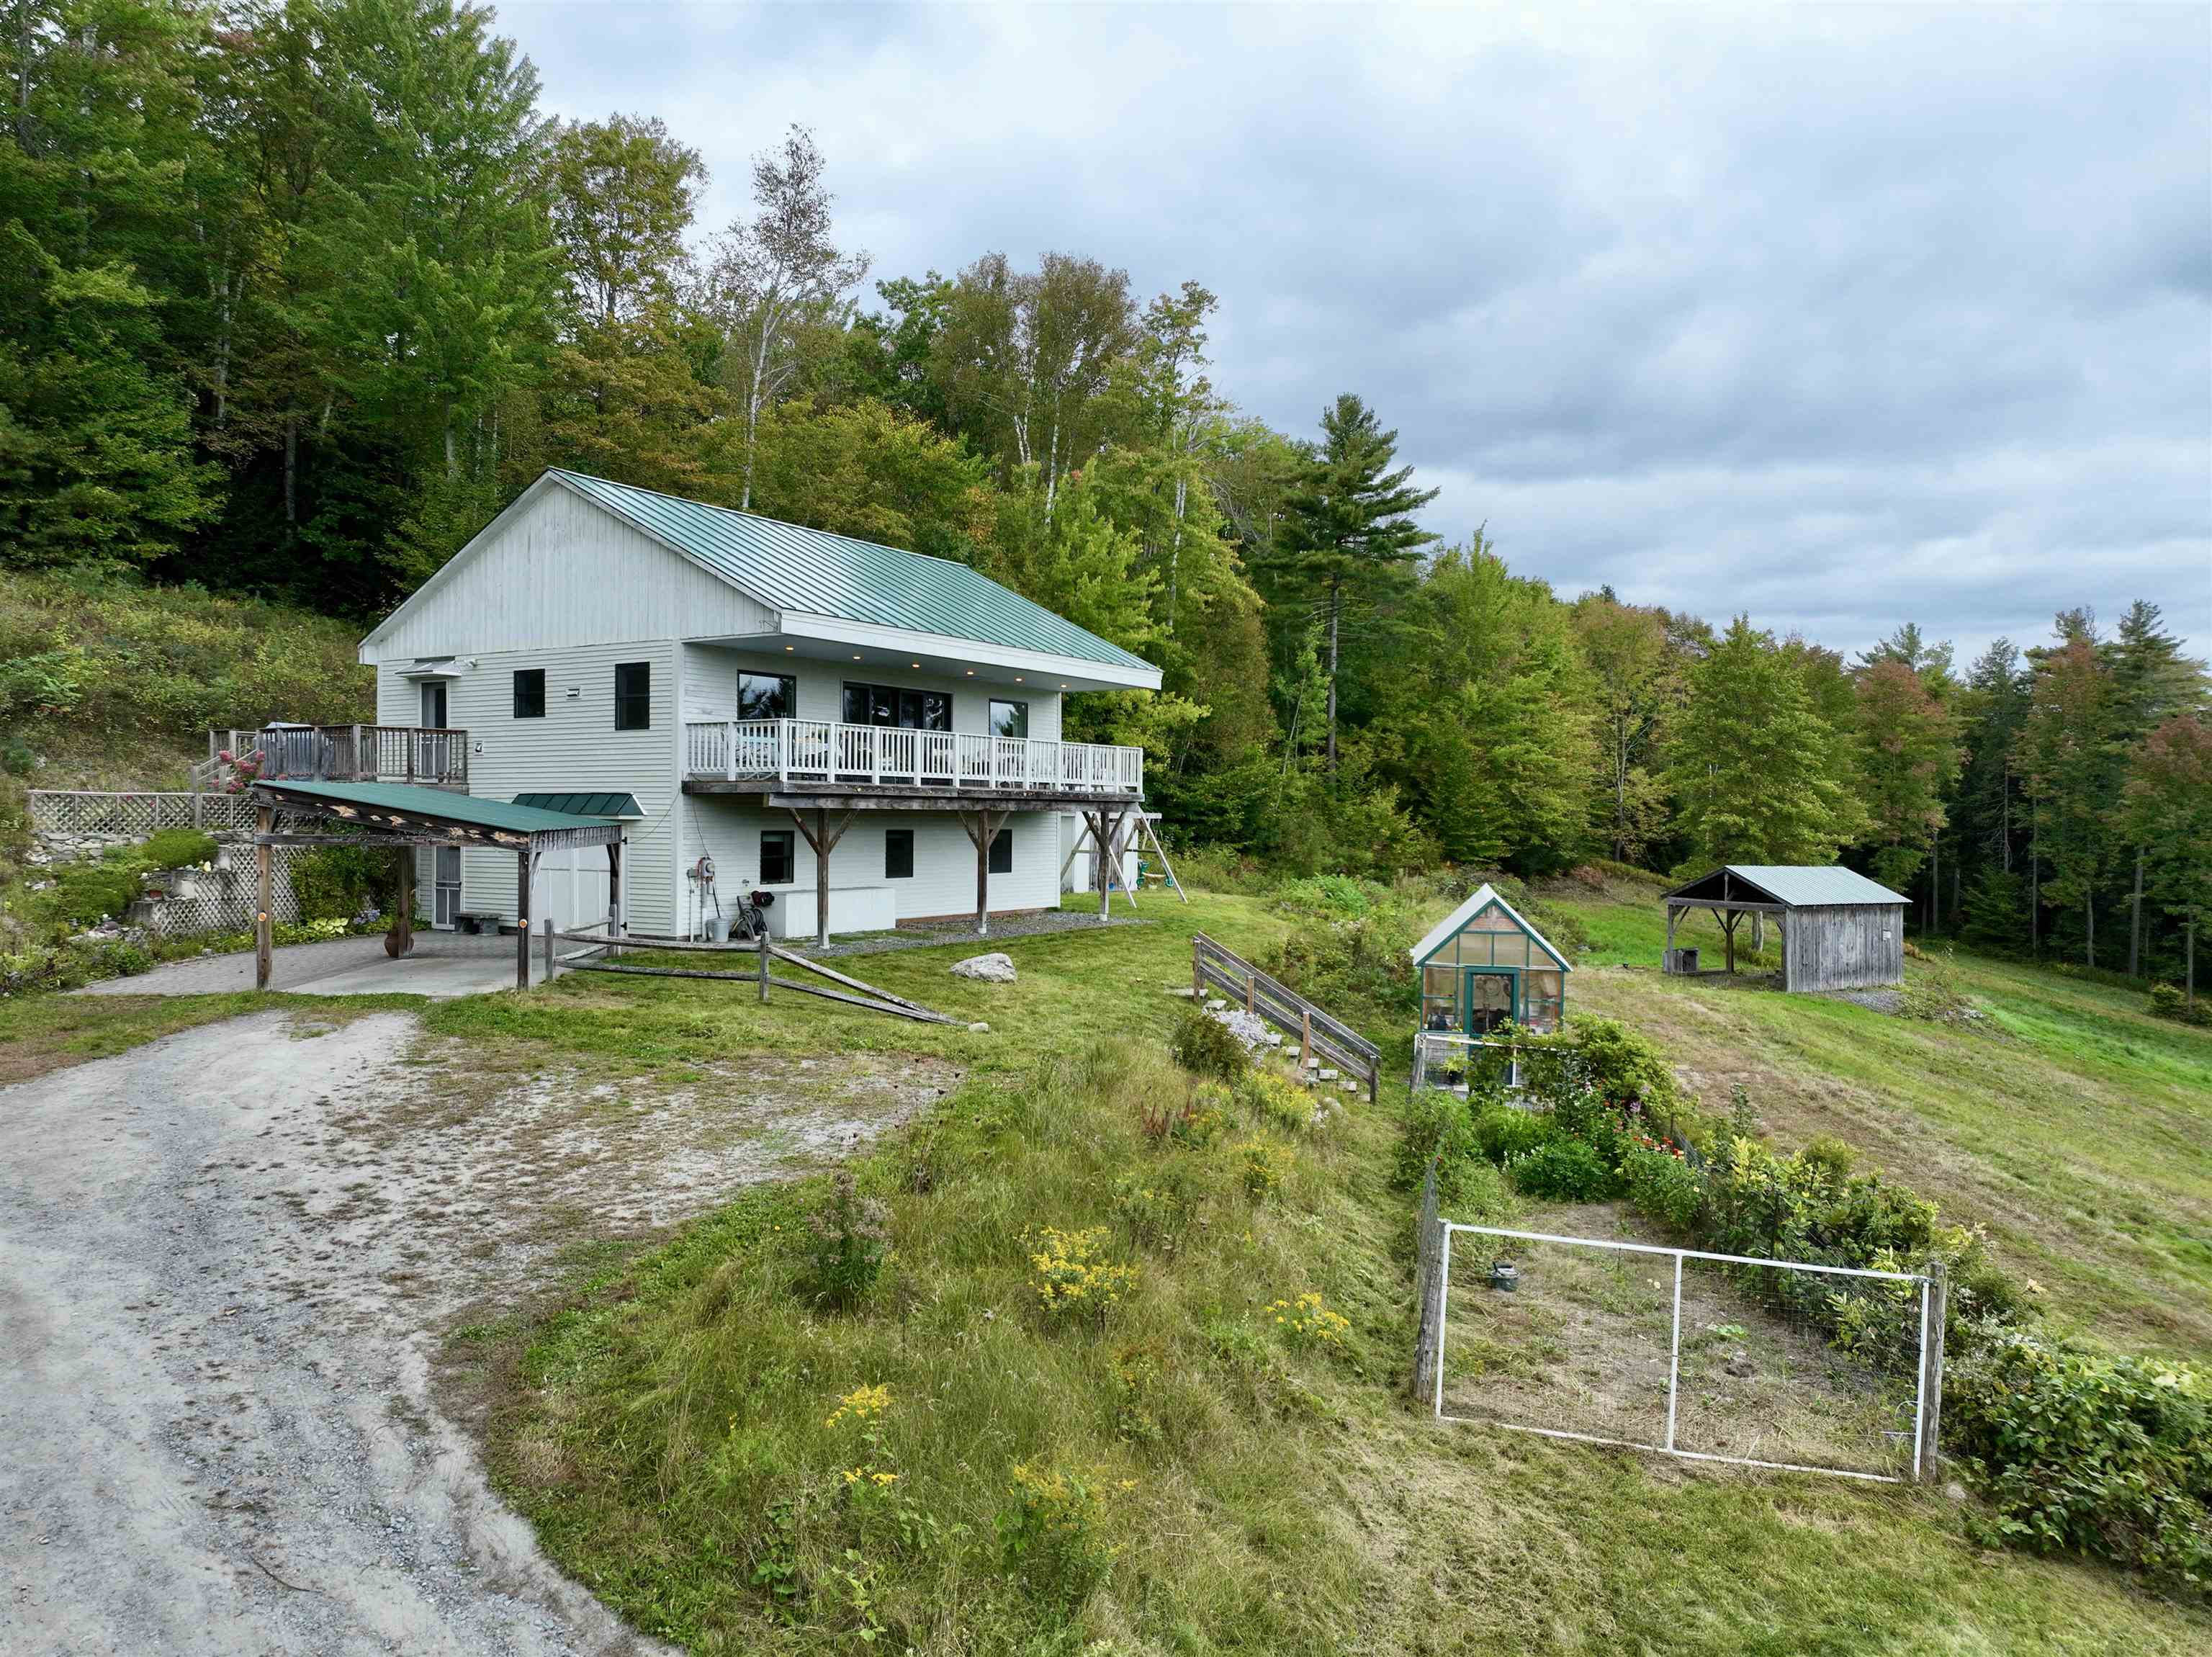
(224, 1260)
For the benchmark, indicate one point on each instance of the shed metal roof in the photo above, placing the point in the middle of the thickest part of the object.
(818, 572)
(440, 805)
(604, 804)
(1804, 886)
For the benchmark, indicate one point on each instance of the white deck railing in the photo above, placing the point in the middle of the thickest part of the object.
(824, 751)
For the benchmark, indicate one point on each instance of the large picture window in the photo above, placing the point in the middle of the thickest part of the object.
(767, 696)
(1002, 852)
(779, 857)
(530, 693)
(899, 853)
(1010, 719)
(633, 696)
(890, 704)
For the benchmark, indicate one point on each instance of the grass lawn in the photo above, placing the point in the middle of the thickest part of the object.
(673, 1427)
(2069, 1123)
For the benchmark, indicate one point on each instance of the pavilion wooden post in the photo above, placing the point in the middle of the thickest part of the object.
(824, 839)
(264, 898)
(614, 897)
(524, 869)
(400, 939)
(1668, 962)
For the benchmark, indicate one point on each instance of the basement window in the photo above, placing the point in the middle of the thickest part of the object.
(899, 853)
(1002, 852)
(779, 857)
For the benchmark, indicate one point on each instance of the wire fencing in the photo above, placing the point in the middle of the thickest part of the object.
(1767, 1363)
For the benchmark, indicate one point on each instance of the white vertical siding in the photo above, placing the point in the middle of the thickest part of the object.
(943, 880)
(560, 573)
(574, 747)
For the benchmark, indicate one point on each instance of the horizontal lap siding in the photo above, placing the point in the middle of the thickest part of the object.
(574, 747)
(1844, 947)
(944, 880)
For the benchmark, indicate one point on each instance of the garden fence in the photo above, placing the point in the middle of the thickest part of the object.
(1712, 1357)
(136, 814)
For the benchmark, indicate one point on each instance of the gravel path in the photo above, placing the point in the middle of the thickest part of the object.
(225, 1257)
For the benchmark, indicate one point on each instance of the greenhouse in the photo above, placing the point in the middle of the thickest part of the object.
(1484, 966)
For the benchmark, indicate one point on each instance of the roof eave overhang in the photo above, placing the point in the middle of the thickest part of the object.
(1051, 669)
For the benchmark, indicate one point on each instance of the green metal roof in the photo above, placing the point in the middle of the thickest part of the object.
(584, 805)
(441, 804)
(819, 574)
(1804, 886)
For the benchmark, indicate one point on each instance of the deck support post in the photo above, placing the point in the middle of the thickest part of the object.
(824, 840)
(525, 867)
(982, 828)
(264, 898)
(614, 897)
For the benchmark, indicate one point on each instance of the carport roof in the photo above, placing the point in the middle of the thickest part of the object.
(1795, 886)
(439, 805)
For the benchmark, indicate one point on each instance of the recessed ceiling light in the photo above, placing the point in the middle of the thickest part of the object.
(914, 664)
(787, 649)
(1017, 678)
(971, 672)
(856, 658)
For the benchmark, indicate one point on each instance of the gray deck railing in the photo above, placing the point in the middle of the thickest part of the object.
(430, 755)
(1319, 1032)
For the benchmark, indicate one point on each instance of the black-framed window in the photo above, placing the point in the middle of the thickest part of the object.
(530, 693)
(892, 705)
(1010, 719)
(899, 853)
(1002, 852)
(779, 857)
(633, 696)
(768, 695)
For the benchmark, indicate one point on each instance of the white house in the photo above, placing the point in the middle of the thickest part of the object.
(745, 690)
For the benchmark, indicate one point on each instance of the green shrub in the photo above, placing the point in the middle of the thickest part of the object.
(1503, 1132)
(2167, 1001)
(2077, 1449)
(177, 848)
(1051, 1536)
(337, 882)
(845, 1240)
(1563, 1171)
(1664, 1188)
(1203, 1045)
(85, 893)
(1436, 1128)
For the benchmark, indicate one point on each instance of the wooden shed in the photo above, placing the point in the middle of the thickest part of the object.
(1839, 929)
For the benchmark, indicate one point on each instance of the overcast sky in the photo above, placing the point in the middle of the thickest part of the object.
(1842, 316)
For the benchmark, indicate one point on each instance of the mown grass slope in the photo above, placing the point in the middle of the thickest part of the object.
(674, 1428)
(2066, 1120)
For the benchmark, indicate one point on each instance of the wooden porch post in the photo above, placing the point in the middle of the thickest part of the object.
(525, 867)
(264, 898)
(1727, 931)
(824, 839)
(1668, 961)
(982, 828)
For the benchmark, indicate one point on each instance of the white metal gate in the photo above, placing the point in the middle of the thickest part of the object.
(1712, 1357)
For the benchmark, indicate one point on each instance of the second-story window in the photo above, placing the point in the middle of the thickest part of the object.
(767, 696)
(530, 693)
(633, 696)
(1010, 719)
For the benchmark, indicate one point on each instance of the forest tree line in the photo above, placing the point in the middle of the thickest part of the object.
(294, 297)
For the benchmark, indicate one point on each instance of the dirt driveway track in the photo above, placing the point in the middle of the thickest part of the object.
(221, 1259)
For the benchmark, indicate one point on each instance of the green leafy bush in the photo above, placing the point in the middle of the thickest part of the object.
(2078, 1449)
(1665, 1188)
(1563, 1171)
(84, 894)
(2167, 1001)
(337, 882)
(177, 848)
(1051, 1535)
(1503, 1133)
(1203, 1045)
(1437, 1129)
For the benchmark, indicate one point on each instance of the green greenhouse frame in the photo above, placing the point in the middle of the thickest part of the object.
(1484, 965)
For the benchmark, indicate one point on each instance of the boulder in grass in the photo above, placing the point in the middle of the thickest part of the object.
(997, 967)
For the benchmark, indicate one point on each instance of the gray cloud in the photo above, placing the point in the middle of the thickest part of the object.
(1841, 316)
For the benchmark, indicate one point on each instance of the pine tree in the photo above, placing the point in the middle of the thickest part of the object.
(1908, 757)
(1348, 532)
(2071, 758)
(2168, 812)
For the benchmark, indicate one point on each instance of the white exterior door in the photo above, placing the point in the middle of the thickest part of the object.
(447, 896)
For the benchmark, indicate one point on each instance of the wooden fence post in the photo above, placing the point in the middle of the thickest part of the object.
(1931, 1372)
(763, 962)
(264, 898)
